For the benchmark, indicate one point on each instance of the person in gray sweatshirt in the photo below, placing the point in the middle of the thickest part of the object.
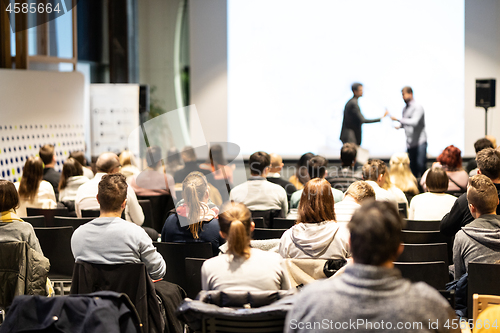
(371, 295)
(478, 241)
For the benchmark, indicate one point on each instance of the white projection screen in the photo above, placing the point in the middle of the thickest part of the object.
(291, 64)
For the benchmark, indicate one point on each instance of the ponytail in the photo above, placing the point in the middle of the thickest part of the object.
(238, 240)
(194, 188)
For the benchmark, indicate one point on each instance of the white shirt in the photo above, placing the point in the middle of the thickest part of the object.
(430, 206)
(72, 185)
(381, 194)
(44, 198)
(345, 209)
(86, 199)
(260, 194)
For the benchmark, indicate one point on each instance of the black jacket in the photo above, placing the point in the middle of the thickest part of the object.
(353, 119)
(53, 177)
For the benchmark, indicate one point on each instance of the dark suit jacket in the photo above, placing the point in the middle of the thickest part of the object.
(52, 176)
(289, 187)
(353, 119)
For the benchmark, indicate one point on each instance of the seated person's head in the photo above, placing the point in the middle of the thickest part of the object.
(108, 163)
(80, 157)
(71, 168)
(31, 178)
(488, 163)
(360, 191)
(348, 154)
(376, 236)
(451, 158)
(316, 202)
(236, 226)
(46, 153)
(9, 198)
(482, 196)
(153, 156)
(375, 170)
(276, 163)
(437, 180)
(259, 163)
(188, 154)
(112, 193)
(317, 167)
(126, 158)
(482, 144)
(195, 192)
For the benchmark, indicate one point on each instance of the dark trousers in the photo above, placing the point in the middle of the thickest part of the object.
(418, 159)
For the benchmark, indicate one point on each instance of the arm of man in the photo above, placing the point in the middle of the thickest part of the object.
(357, 112)
(458, 216)
(133, 211)
(155, 264)
(458, 260)
(417, 115)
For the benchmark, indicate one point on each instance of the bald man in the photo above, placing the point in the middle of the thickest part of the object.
(274, 175)
(86, 197)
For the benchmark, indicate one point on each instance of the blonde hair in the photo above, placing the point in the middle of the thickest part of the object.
(236, 221)
(127, 158)
(401, 175)
(194, 189)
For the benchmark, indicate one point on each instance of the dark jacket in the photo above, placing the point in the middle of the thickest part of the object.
(53, 177)
(353, 119)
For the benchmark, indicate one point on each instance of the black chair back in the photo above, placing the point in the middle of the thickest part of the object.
(428, 237)
(91, 213)
(48, 213)
(280, 223)
(259, 233)
(267, 215)
(403, 209)
(160, 206)
(342, 183)
(416, 225)
(35, 221)
(193, 276)
(259, 222)
(175, 254)
(75, 222)
(56, 246)
(434, 273)
(424, 253)
(148, 213)
(482, 280)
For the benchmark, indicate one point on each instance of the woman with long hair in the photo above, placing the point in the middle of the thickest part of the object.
(401, 176)
(33, 191)
(316, 234)
(301, 176)
(451, 162)
(71, 179)
(129, 166)
(196, 217)
(242, 267)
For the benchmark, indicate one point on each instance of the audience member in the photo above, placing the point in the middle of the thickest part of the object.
(316, 168)
(258, 193)
(173, 162)
(242, 267)
(346, 175)
(488, 162)
(451, 161)
(49, 173)
(393, 190)
(401, 175)
(374, 173)
(316, 235)
(152, 181)
(128, 165)
(301, 176)
(478, 241)
(479, 145)
(355, 195)
(12, 227)
(432, 205)
(220, 173)
(188, 155)
(196, 217)
(33, 190)
(80, 157)
(71, 179)
(274, 175)
(107, 163)
(371, 292)
(111, 240)
(493, 140)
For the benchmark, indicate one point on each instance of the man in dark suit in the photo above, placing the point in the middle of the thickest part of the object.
(275, 177)
(49, 173)
(353, 119)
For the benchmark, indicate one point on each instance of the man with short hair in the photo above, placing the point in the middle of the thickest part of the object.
(371, 295)
(274, 175)
(316, 168)
(258, 193)
(374, 173)
(48, 157)
(341, 179)
(479, 145)
(355, 195)
(111, 240)
(488, 163)
(478, 241)
(107, 163)
(188, 156)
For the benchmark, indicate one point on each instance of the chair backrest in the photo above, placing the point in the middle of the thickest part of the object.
(434, 274)
(35, 221)
(342, 183)
(175, 253)
(428, 237)
(75, 222)
(403, 209)
(56, 246)
(48, 213)
(148, 212)
(481, 302)
(267, 215)
(193, 276)
(91, 212)
(160, 206)
(259, 222)
(424, 253)
(281, 223)
(416, 225)
(262, 233)
(481, 281)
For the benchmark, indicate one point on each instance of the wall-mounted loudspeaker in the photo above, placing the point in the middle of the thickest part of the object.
(485, 92)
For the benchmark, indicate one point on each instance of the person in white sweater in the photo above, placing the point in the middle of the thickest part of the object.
(432, 205)
(71, 179)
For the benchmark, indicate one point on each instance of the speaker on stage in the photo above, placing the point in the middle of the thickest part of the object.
(485, 92)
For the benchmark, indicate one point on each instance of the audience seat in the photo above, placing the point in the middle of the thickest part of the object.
(35, 221)
(424, 253)
(193, 276)
(481, 303)
(264, 233)
(75, 222)
(416, 225)
(428, 237)
(281, 223)
(403, 209)
(434, 274)
(48, 213)
(160, 206)
(342, 183)
(259, 222)
(267, 215)
(91, 213)
(482, 280)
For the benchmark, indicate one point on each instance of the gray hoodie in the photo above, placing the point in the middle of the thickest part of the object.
(479, 241)
(324, 240)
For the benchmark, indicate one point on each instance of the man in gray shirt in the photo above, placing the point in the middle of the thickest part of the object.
(413, 121)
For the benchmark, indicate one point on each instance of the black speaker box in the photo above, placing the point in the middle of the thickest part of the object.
(485, 92)
(143, 98)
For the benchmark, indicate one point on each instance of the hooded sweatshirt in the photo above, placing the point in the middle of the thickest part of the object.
(479, 241)
(324, 240)
(69, 192)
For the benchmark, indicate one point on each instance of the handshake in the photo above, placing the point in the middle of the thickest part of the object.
(387, 114)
